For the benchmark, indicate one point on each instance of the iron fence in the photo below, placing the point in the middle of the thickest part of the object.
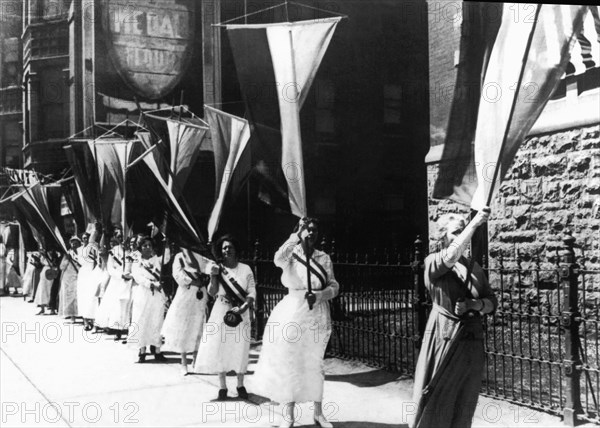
(542, 347)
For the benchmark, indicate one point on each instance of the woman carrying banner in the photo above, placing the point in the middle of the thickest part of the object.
(225, 345)
(87, 286)
(12, 279)
(290, 367)
(185, 319)
(32, 276)
(114, 312)
(47, 276)
(450, 365)
(149, 300)
(69, 267)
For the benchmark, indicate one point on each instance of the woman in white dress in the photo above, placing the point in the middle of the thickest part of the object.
(185, 319)
(12, 277)
(32, 275)
(69, 266)
(114, 312)
(87, 286)
(290, 367)
(149, 300)
(47, 276)
(224, 348)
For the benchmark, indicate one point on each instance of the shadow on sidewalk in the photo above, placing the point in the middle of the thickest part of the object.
(367, 379)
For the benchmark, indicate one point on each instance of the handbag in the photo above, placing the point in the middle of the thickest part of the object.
(51, 274)
(236, 294)
(232, 319)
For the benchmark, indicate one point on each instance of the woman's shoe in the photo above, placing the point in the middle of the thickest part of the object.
(222, 394)
(183, 369)
(322, 422)
(242, 393)
(160, 357)
(141, 358)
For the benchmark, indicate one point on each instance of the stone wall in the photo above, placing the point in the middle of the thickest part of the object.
(552, 188)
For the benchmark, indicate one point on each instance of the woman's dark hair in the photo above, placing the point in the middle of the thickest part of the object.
(143, 240)
(307, 221)
(218, 249)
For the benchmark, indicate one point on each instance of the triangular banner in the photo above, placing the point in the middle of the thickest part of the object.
(230, 135)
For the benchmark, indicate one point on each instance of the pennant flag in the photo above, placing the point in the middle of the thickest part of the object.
(71, 193)
(33, 203)
(30, 238)
(229, 135)
(456, 173)
(186, 141)
(179, 214)
(526, 64)
(81, 161)
(111, 157)
(281, 61)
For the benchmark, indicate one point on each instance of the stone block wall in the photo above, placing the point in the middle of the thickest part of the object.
(552, 188)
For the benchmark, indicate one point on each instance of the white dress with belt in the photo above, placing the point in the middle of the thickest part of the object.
(223, 348)
(67, 302)
(185, 319)
(42, 296)
(87, 283)
(115, 309)
(290, 366)
(148, 309)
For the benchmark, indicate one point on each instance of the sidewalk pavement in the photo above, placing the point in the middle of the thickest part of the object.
(55, 374)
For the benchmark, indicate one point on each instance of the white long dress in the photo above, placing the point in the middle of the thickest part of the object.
(148, 309)
(114, 310)
(185, 319)
(42, 295)
(290, 366)
(30, 275)
(67, 302)
(87, 285)
(12, 278)
(223, 348)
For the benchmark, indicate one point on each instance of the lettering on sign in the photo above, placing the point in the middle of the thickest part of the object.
(150, 43)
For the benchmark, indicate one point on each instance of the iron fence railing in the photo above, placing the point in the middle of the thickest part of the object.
(542, 346)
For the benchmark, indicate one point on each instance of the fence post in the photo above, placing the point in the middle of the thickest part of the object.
(569, 271)
(419, 293)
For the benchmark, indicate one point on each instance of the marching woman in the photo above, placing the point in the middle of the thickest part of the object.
(451, 360)
(69, 266)
(290, 367)
(185, 319)
(87, 286)
(225, 342)
(114, 312)
(101, 277)
(31, 276)
(47, 276)
(149, 300)
(28, 275)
